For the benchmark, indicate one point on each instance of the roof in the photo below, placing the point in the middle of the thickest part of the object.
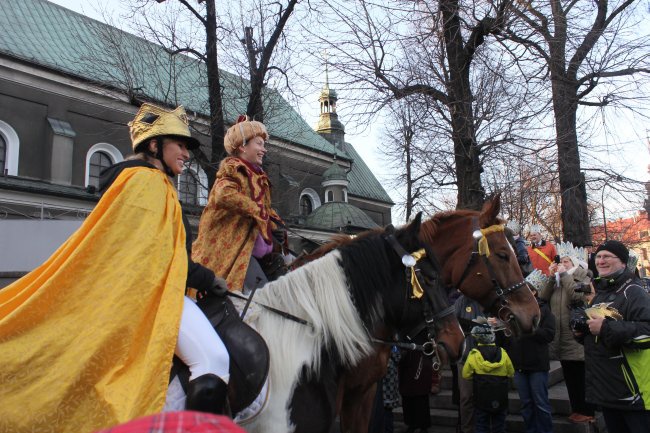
(362, 182)
(51, 36)
(22, 184)
(632, 231)
(336, 215)
(335, 172)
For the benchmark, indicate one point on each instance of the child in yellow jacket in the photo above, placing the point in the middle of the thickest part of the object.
(490, 368)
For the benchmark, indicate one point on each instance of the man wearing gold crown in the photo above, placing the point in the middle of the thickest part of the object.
(540, 252)
(617, 346)
(87, 338)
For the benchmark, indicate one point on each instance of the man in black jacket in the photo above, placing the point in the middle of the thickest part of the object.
(529, 355)
(617, 343)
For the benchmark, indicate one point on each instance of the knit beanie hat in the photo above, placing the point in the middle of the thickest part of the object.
(483, 334)
(242, 131)
(616, 248)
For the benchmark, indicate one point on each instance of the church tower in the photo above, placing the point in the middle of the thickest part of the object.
(329, 126)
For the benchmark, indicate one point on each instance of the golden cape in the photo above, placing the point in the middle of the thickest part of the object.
(87, 338)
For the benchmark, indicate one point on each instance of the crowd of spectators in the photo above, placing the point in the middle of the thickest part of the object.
(595, 320)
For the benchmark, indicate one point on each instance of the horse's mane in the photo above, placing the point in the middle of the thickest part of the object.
(338, 294)
(430, 227)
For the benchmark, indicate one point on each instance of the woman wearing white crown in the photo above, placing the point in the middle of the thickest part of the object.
(569, 286)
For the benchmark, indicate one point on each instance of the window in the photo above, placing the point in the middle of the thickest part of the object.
(98, 157)
(309, 201)
(9, 149)
(330, 196)
(188, 187)
(306, 206)
(3, 154)
(98, 162)
(192, 185)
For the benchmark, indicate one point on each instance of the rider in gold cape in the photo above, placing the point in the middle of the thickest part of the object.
(87, 338)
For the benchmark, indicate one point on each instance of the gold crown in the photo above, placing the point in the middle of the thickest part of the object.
(153, 121)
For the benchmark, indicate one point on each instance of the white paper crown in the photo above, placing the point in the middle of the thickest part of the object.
(534, 228)
(514, 226)
(577, 255)
(537, 279)
(632, 260)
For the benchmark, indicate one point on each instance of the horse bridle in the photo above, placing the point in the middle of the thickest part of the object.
(480, 235)
(410, 262)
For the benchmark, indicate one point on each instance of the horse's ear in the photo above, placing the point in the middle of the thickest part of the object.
(413, 229)
(490, 211)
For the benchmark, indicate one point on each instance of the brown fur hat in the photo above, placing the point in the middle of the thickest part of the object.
(242, 131)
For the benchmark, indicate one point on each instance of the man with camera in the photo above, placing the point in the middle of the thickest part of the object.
(617, 342)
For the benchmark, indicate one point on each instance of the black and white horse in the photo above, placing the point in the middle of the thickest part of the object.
(345, 296)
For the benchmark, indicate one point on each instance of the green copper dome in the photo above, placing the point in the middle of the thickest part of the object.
(335, 172)
(338, 215)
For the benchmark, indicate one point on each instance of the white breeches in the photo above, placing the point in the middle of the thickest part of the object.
(199, 346)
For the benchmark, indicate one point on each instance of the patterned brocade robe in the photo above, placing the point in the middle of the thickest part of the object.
(238, 209)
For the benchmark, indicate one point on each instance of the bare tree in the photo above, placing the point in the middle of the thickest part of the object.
(434, 49)
(199, 29)
(589, 50)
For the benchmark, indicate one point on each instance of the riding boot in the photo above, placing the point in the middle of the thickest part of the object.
(208, 393)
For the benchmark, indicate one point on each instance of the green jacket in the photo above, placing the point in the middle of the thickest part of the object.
(477, 364)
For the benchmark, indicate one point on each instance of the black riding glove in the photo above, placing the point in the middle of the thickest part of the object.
(219, 287)
(279, 236)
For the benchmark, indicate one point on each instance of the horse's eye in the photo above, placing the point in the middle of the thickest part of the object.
(503, 256)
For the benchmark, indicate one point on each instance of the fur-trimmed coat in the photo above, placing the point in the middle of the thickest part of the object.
(238, 209)
(564, 346)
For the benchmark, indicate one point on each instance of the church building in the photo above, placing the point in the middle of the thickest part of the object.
(64, 108)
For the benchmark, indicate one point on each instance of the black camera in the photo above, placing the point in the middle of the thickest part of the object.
(578, 320)
(583, 287)
(556, 259)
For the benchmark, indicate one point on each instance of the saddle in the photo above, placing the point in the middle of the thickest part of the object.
(249, 355)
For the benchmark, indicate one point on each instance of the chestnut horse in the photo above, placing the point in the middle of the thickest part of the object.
(476, 258)
(491, 276)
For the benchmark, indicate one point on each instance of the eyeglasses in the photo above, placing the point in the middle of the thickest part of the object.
(605, 257)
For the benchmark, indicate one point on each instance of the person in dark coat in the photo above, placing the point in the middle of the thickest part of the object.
(617, 347)
(414, 376)
(466, 310)
(530, 357)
